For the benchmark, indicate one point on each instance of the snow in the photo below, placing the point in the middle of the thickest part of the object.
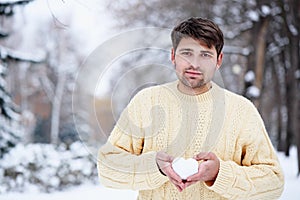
(90, 192)
(252, 91)
(96, 192)
(2, 69)
(297, 74)
(236, 69)
(12, 1)
(253, 15)
(249, 76)
(293, 29)
(266, 10)
(292, 182)
(236, 49)
(45, 167)
(2, 81)
(18, 55)
(232, 33)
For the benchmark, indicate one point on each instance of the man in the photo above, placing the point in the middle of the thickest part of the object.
(192, 118)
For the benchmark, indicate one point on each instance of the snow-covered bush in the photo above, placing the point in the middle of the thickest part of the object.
(44, 167)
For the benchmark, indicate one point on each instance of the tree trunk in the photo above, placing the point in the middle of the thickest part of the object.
(291, 97)
(292, 30)
(279, 104)
(298, 140)
(56, 105)
(260, 57)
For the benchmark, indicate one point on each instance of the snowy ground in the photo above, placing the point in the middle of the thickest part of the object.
(94, 192)
(292, 182)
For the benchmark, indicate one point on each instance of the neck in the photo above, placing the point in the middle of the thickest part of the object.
(193, 91)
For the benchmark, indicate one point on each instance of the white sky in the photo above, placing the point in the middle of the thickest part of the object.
(87, 20)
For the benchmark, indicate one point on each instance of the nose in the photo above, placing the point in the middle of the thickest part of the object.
(195, 63)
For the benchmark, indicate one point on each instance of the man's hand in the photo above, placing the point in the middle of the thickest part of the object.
(208, 169)
(164, 162)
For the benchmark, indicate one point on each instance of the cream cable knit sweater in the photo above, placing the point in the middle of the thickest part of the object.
(162, 118)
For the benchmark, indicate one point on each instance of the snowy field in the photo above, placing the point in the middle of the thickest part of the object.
(97, 192)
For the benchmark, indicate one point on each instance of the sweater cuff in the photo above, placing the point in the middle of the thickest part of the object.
(155, 177)
(224, 179)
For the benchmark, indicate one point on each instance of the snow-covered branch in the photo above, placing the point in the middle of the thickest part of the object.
(6, 53)
(13, 2)
(244, 51)
(6, 6)
(3, 33)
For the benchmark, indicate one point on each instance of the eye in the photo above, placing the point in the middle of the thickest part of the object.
(206, 55)
(186, 53)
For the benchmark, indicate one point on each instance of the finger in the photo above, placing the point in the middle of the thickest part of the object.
(205, 156)
(189, 183)
(164, 157)
(179, 185)
(194, 177)
(178, 188)
(174, 175)
(201, 156)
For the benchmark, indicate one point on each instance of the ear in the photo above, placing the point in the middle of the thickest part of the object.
(173, 56)
(220, 60)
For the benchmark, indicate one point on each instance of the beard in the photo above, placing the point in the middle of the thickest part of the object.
(200, 82)
(192, 83)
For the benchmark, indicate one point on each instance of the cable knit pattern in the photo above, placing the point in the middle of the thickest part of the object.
(161, 118)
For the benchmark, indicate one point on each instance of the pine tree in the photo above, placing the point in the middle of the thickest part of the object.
(10, 128)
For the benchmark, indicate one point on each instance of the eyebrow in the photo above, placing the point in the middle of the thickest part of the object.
(185, 49)
(209, 52)
(191, 50)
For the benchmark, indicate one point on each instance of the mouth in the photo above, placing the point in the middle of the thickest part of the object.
(193, 73)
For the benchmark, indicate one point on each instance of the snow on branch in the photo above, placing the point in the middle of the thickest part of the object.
(2, 70)
(13, 2)
(244, 51)
(3, 33)
(237, 30)
(6, 53)
(6, 6)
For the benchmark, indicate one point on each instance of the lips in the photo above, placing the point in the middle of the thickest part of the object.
(193, 73)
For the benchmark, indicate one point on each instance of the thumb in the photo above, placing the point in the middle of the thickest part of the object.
(204, 156)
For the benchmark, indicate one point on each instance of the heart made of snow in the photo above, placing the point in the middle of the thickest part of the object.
(185, 167)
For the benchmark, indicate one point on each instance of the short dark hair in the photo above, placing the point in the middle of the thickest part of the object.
(199, 29)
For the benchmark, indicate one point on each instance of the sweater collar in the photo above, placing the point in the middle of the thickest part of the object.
(204, 97)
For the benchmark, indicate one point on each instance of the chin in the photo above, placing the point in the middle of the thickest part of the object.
(192, 83)
(196, 84)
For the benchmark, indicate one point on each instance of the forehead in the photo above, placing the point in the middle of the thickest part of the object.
(196, 45)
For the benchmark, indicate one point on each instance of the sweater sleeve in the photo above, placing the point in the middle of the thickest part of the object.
(256, 172)
(122, 162)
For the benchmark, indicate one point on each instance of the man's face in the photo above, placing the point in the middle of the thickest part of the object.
(195, 63)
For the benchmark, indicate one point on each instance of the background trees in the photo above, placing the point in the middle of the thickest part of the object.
(39, 56)
(10, 127)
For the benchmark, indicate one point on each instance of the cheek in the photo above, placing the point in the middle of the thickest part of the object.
(209, 66)
(181, 63)
(211, 71)
(209, 63)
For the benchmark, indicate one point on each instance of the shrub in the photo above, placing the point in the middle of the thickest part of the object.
(45, 167)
